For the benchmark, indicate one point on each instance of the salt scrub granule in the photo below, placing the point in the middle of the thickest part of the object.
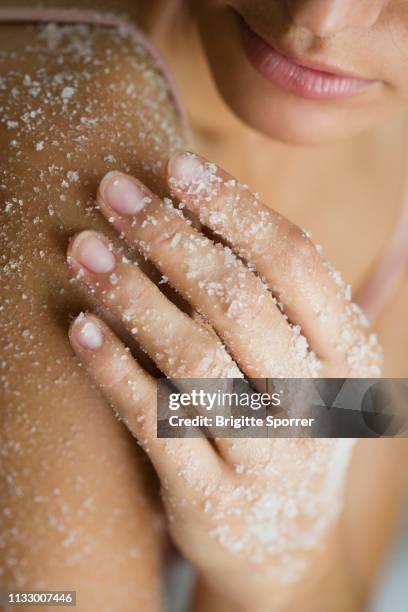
(110, 159)
(175, 240)
(67, 93)
(73, 176)
(198, 178)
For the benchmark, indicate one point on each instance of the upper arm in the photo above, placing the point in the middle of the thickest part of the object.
(75, 102)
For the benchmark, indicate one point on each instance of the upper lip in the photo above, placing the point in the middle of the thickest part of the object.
(287, 51)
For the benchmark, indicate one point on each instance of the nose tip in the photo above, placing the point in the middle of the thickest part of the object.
(325, 18)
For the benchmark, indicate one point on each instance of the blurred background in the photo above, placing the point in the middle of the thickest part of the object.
(392, 592)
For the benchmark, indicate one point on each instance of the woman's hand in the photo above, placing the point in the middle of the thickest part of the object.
(256, 510)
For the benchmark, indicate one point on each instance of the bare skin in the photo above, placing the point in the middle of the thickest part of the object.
(198, 498)
(353, 178)
(366, 539)
(79, 504)
(356, 177)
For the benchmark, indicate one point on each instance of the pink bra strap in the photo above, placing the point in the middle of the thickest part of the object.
(67, 16)
(383, 284)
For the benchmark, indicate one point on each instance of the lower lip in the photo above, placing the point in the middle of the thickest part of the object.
(296, 79)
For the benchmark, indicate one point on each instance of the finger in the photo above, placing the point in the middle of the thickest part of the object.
(312, 294)
(180, 347)
(211, 278)
(132, 392)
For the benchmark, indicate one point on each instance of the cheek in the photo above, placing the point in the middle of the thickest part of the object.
(299, 122)
(395, 56)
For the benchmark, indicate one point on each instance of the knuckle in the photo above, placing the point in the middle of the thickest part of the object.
(117, 374)
(213, 362)
(299, 252)
(133, 291)
(200, 362)
(168, 239)
(249, 308)
(232, 293)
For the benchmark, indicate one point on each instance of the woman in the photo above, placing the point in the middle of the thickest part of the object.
(288, 75)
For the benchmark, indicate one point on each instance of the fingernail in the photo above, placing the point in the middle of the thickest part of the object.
(123, 194)
(90, 252)
(186, 169)
(87, 333)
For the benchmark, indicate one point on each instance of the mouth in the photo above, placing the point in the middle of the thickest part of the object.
(305, 79)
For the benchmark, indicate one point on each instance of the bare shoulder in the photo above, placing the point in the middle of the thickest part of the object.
(82, 95)
(75, 102)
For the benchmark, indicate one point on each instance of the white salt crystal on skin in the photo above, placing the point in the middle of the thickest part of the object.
(67, 93)
(175, 240)
(73, 176)
(110, 159)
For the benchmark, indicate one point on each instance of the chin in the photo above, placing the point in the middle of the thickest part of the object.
(285, 118)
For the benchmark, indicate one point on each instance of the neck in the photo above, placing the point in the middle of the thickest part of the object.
(218, 133)
(174, 33)
(300, 182)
